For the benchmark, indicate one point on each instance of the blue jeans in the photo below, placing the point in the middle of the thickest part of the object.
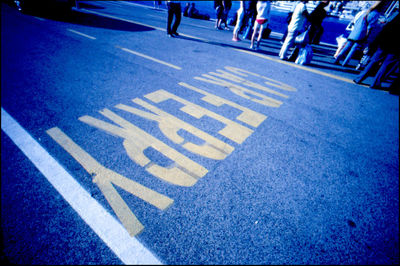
(174, 9)
(349, 44)
(288, 43)
(390, 63)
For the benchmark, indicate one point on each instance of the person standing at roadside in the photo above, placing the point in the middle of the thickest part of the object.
(316, 18)
(387, 51)
(174, 9)
(262, 20)
(227, 7)
(296, 26)
(249, 18)
(219, 11)
(239, 21)
(157, 4)
(288, 19)
(364, 21)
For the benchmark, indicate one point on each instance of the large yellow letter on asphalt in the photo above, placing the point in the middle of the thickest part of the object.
(213, 148)
(247, 116)
(185, 172)
(232, 130)
(106, 178)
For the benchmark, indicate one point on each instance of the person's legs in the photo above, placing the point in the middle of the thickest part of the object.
(169, 20)
(284, 36)
(238, 25)
(343, 51)
(263, 26)
(220, 11)
(177, 12)
(377, 57)
(393, 66)
(390, 61)
(287, 44)
(351, 53)
(250, 21)
(395, 86)
(253, 36)
(295, 53)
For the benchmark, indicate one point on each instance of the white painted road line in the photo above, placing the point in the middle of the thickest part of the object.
(82, 34)
(127, 248)
(39, 18)
(277, 60)
(149, 57)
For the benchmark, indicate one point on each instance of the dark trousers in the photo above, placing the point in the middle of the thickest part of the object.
(174, 9)
(389, 64)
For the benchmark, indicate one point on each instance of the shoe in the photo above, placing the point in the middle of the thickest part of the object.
(356, 81)
(251, 47)
(376, 87)
(175, 33)
(227, 28)
(235, 39)
(170, 35)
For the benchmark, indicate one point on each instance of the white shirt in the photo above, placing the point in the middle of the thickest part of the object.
(298, 18)
(263, 9)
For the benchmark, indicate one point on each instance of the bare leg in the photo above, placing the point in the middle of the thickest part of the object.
(254, 34)
(260, 34)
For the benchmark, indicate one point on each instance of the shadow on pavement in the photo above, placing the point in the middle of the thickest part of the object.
(225, 45)
(87, 19)
(268, 52)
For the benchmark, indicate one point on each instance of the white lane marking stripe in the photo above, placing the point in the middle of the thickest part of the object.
(39, 18)
(149, 57)
(82, 34)
(127, 248)
(277, 60)
(136, 22)
(123, 19)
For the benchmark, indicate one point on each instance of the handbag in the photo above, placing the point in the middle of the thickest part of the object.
(302, 38)
(305, 55)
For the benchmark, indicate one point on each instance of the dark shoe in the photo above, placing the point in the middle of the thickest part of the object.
(376, 87)
(175, 33)
(356, 81)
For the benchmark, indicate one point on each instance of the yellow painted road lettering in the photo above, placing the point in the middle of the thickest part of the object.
(231, 77)
(106, 178)
(184, 172)
(271, 82)
(232, 130)
(247, 116)
(213, 148)
(241, 91)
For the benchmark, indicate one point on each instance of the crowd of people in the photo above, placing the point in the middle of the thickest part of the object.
(381, 52)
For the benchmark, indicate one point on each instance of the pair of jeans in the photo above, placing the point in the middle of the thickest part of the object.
(349, 44)
(288, 43)
(389, 64)
(174, 9)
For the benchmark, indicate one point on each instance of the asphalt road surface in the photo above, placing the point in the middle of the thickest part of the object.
(122, 145)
